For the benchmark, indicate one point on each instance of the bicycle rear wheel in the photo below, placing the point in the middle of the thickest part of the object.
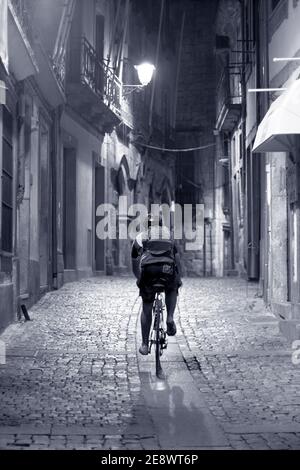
(157, 326)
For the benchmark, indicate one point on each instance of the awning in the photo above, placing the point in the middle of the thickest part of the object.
(3, 34)
(281, 123)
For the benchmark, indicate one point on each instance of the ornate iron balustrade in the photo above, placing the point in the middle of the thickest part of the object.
(21, 9)
(100, 78)
(228, 92)
(59, 68)
(59, 53)
(279, 14)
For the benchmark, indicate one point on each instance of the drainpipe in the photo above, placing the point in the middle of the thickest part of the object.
(243, 126)
(266, 157)
(204, 249)
(211, 249)
(156, 65)
(55, 149)
(121, 63)
(243, 82)
(259, 84)
(232, 234)
(20, 188)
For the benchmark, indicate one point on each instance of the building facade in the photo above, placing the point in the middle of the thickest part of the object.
(74, 136)
(30, 95)
(195, 124)
(282, 168)
(263, 184)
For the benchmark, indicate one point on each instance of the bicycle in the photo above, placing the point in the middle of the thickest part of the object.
(158, 334)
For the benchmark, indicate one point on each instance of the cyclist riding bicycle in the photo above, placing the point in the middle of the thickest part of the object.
(155, 259)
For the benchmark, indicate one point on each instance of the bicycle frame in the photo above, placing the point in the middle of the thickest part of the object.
(158, 334)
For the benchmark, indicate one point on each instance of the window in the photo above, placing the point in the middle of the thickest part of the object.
(274, 4)
(251, 21)
(188, 191)
(279, 11)
(7, 182)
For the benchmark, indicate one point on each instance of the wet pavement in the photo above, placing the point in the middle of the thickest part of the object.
(241, 363)
(73, 378)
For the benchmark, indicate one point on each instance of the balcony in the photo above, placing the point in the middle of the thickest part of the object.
(22, 12)
(29, 56)
(20, 38)
(93, 90)
(59, 68)
(229, 102)
(278, 15)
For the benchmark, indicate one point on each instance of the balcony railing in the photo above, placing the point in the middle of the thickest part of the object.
(59, 68)
(229, 97)
(20, 8)
(59, 53)
(227, 92)
(100, 78)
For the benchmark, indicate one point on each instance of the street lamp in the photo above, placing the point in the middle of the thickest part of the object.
(145, 73)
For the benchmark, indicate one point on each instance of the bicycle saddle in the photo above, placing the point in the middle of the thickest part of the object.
(159, 287)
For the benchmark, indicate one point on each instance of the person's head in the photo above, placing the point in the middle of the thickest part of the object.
(153, 220)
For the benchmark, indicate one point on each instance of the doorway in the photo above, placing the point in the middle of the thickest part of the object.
(253, 215)
(45, 220)
(69, 213)
(99, 199)
(227, 249)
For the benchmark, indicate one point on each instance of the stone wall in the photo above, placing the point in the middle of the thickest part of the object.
(196, 119)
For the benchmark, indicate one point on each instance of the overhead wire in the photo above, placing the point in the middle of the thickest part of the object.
(163, 149)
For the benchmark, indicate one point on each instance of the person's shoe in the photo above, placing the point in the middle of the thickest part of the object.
(144, 349)
(171, 329)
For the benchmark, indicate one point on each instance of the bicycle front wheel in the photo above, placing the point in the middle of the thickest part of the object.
(157, 342)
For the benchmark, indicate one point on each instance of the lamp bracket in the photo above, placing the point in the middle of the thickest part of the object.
(128, 89)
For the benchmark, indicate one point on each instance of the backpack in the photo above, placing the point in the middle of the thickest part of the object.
(160, 252)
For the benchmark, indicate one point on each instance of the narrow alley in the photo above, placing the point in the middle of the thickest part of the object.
(152, 143)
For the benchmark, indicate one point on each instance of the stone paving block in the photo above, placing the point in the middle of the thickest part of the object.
(24, 430)
(41, 439)
(84, 379)
(241, 446)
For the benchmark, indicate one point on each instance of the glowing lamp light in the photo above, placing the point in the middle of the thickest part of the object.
(145, 73)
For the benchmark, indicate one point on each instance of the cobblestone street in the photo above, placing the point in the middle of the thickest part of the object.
(73, 379)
